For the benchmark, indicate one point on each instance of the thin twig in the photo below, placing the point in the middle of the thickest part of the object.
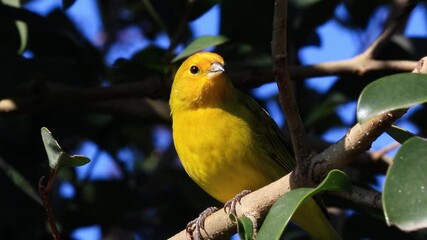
(45, 196)
(398, 18)
(300, 144)
(376, 155)
(353, 66)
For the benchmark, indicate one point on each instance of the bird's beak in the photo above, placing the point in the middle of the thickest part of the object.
(216, 67)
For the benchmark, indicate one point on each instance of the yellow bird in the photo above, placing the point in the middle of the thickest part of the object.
(226, 142)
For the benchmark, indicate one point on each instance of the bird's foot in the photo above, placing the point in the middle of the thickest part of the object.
(193, 228)
(230, 205)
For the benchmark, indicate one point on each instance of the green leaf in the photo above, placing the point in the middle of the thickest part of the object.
(52, 147)
(20, 25)
(199, 44)
(282, 211)
(304, 3)
(245, 228)
(405, 188)
(66, 160)
(57, 158)
(325, 108)
(398, 91)
(399, 134)
(20, 181)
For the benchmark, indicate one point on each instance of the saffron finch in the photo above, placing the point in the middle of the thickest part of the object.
(226, 142)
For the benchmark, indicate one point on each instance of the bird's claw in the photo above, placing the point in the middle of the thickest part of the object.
(193, 228)
(230, 205)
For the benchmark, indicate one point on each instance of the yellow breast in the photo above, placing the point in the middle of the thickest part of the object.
(219, 152)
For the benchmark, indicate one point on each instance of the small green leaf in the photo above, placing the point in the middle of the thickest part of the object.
(282, 211)
(405, 188)
(325, 108)
(52, 147)
(398, 91)
(304, 3)
(245, 228)
(66, 160)
(199, 44)
(399, 134)
(20, 181)
(58, 158)
(20, 25)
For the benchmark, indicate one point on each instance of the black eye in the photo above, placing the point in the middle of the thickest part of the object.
(194, 69)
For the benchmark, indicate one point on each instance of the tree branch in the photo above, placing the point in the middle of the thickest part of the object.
(353, 66)
(363, 196)
(132, 99)
(357, 140)
(255, 206)
(300, 144)
(397, 19)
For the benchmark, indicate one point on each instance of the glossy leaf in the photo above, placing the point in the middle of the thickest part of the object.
(283, 210)
(245, 228)
(405, 188)
(399, 134)
(58, 158)
(398, 91)
(199, 44)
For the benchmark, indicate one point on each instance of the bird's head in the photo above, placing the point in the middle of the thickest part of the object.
(200, 82)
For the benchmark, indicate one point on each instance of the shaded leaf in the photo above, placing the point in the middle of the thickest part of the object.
(405, 188)
(52, 147)
(399, 134)
(360, 14)
(245, 228)
(19, 180)
(199, 44)
(201, 7)
(66, 160)
(282, 211)
(304, 3)
(152, 58)
(239, 19)
(20, 25)
(398, 91)
(325, 108)
(169, 14)
(58, 158)
(67, 4)
(23, 34)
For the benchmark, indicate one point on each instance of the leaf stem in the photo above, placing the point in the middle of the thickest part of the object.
(44, 192)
